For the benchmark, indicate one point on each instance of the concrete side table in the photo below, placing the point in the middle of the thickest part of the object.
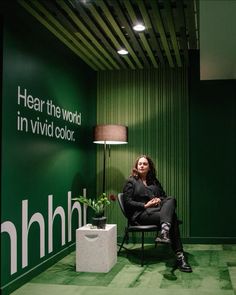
(96, 249)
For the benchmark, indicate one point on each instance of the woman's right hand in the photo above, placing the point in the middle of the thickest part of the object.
(153, 203)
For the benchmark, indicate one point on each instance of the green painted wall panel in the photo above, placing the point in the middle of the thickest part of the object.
(154, 106)
(213, 156)
(39, 166)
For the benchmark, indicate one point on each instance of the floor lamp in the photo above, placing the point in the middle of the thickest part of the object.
(109, 135)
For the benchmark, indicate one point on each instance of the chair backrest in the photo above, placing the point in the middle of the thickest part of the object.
(121, 203)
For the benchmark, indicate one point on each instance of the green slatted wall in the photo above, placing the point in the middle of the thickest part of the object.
(154, 106)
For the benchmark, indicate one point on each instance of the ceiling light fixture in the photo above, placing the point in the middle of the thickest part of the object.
(122, 52)
(139, 27)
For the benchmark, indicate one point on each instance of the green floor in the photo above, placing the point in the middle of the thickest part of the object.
(214, 272)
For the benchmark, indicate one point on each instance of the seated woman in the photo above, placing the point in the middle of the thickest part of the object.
(146, 203)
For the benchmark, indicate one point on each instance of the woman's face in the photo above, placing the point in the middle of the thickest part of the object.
(143, 166)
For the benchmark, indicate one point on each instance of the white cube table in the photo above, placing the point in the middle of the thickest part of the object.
(96, 249)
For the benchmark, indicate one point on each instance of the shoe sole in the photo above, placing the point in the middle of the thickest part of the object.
(158, 240)
(185, 270)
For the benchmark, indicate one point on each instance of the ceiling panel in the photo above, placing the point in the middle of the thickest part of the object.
(96, 29)
(218, 40)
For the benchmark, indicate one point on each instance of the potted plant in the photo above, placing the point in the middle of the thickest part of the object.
(98, 206)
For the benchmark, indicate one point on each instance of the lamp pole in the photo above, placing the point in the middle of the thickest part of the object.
(104, 167)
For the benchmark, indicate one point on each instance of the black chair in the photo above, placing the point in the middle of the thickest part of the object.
(135, 228)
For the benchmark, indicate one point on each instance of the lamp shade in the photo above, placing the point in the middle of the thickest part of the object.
(110, 134)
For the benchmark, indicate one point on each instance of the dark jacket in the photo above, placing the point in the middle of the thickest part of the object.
(136, 194)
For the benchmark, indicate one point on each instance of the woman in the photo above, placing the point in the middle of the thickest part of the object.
(147, 203)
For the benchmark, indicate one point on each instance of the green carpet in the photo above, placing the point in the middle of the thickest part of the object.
(214, 272)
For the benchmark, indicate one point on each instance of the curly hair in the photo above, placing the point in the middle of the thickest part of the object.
(151, 175)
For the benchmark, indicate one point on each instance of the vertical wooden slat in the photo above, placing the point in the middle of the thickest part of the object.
(154, 106)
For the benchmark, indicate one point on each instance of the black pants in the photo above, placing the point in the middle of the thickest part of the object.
(164, 213)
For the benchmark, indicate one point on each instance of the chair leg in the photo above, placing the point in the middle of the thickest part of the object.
(124, 238)
(127, 237)
(142, 250)
(155, 241)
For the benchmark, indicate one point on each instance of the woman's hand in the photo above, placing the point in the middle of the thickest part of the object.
(153, 203)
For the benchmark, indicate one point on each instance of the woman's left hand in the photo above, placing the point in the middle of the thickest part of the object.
(156, 201)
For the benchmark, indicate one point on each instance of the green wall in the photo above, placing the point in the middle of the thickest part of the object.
(40, 164)
(212, 157)
(154, 106)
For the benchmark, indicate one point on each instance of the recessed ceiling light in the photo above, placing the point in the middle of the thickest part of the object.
(122, 52)
(139, 28)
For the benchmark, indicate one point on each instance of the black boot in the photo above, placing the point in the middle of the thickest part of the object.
(181, 263)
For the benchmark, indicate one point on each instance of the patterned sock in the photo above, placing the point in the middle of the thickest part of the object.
(165, 226)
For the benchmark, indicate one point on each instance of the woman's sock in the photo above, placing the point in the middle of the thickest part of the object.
(165, 227)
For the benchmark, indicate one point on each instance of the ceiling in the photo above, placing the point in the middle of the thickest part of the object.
(95, 29)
